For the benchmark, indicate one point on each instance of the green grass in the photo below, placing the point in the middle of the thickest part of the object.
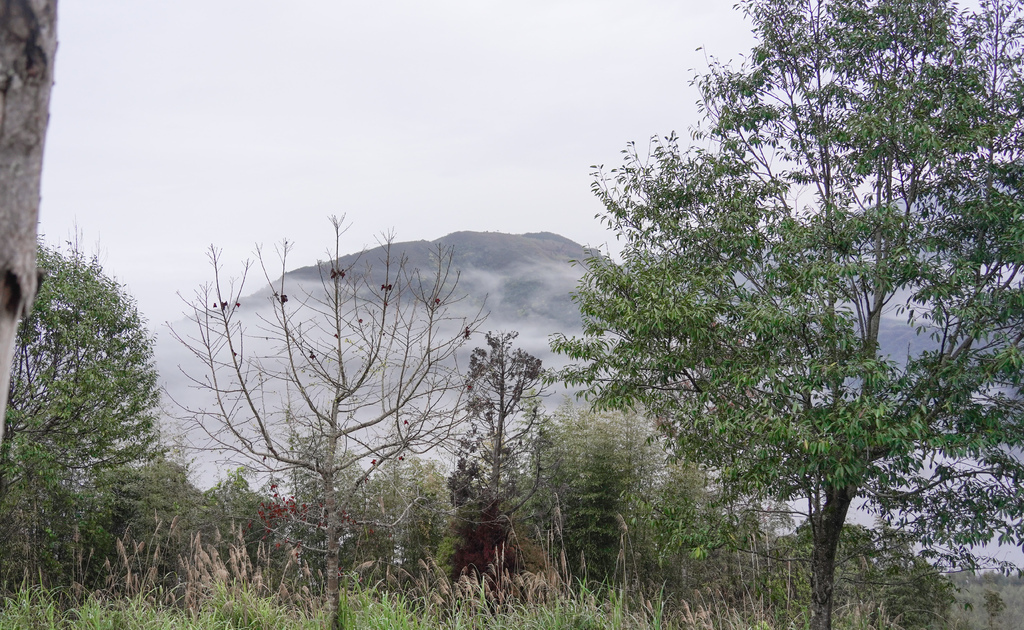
(371, 609)
(231, 609)
(211, 591)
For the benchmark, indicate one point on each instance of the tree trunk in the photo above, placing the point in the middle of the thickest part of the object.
(826, 528)
(496, 455)
(28, 44)
(332, 563)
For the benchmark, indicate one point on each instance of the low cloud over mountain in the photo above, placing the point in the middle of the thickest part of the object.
(523, 282)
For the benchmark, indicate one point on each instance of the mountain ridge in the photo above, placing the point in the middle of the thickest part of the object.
(520, 279)
(486, 250)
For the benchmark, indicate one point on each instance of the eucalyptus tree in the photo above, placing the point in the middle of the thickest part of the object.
(339, 377)
(823, 297)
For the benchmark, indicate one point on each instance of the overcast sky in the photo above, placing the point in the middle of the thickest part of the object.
(180, 124)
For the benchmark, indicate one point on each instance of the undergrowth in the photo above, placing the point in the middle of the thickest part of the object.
(221, 586)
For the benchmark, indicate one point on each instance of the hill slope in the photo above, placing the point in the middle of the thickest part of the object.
(523, 281)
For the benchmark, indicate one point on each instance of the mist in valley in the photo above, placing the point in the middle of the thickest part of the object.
(520, 283)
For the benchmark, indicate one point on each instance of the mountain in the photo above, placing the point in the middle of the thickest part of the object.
(523, 281)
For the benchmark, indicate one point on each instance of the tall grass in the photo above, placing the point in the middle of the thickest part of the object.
(218, 584)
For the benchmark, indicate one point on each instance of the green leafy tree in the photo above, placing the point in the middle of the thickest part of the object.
(875, 568)
(602, 465)
(825, 300)
(82, 402)
(994, 606)
(624, 512)
(155, 504)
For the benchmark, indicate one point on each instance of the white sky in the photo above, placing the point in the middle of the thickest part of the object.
(180, 124)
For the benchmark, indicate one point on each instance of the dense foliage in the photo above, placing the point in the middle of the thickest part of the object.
(602, 467)
(82, 409)
(823, 298)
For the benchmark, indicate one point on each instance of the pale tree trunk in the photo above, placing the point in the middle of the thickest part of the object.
(28, 43)
(332, 563)
(332, 514)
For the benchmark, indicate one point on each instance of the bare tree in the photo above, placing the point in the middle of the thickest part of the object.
(28, 44)
(360, 370)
